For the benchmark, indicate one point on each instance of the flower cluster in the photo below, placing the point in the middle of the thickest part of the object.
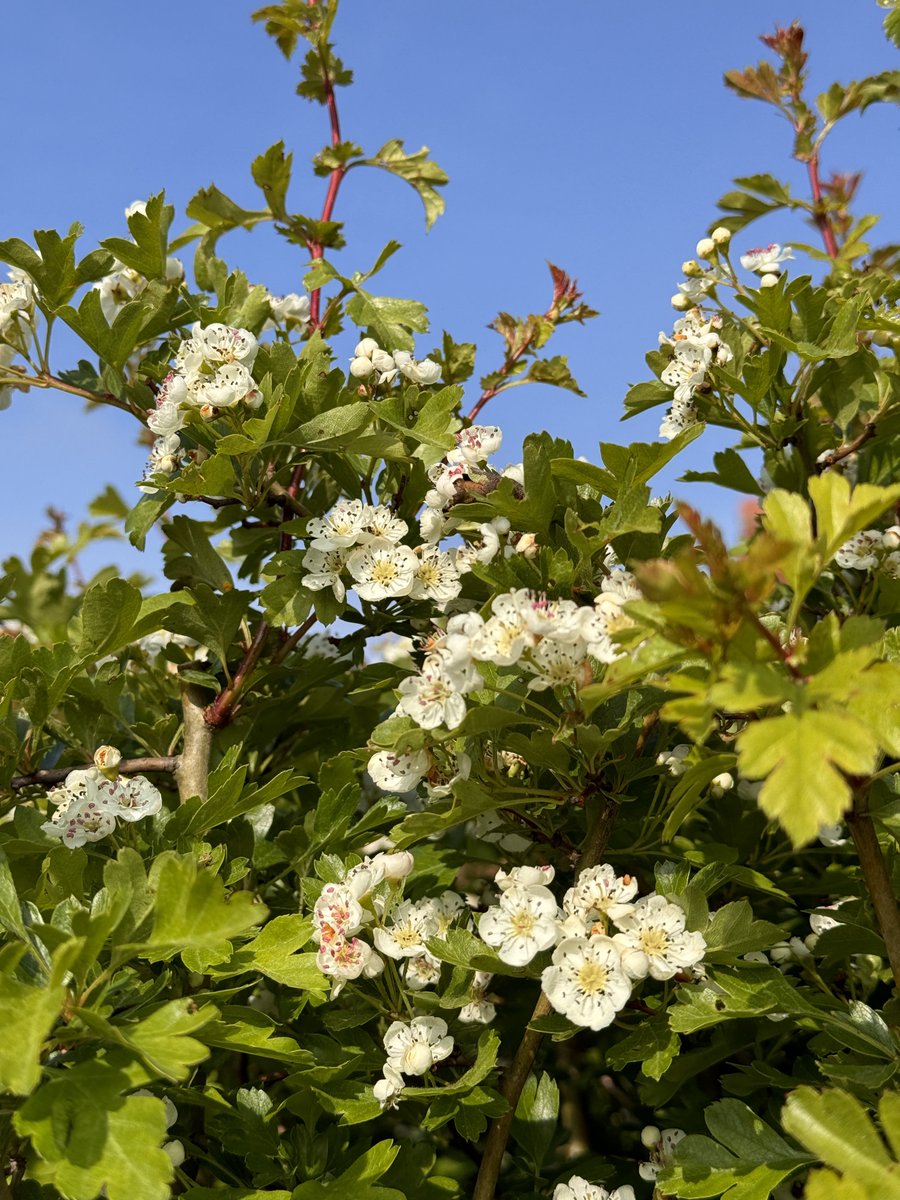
(591, 974)
(555, 641)
(17, 300)
(370, 362)
(696, 346)
(91, 801)
(872, 550)
(211, 376)
(364, 542)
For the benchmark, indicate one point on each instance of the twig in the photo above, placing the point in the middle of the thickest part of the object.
(192, 774)
(876, 876)
(222, 709)
(519, 1069)
(291, 642)
(843, 452)
(820, 216)
(128, 766)
(334, 183)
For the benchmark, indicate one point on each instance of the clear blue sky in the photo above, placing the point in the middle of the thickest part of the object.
(594, 134)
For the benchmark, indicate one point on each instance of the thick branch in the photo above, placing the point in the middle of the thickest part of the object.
(877, 878)
(128, 766)
(519, 1069)
(193, 768)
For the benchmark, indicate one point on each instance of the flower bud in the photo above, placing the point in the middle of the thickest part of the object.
(106, 760)
(361, 367)
(692, 268)
(706, 248)
(721, 236)
(395, 866)
(650, 1136)
(768, 280)
(681, 302)
(723, 783)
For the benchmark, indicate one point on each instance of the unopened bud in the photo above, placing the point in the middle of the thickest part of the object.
(768, 280)
(692, 269)
(650, 1136)
(361, 367)
(721, 236)
(106, 760)
(395, 866)
(681, 302)
(706, 248)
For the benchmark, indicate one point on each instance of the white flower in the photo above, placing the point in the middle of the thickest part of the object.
(579, 1189)
(290, 310)
(694, 290)
(382, 569)
(431, 524)
(681, 416)
(444, 909)
(325, 567)
(117, 289)
(430, 699)
(413, 924)
(706, 248)
(424, 371)
(586, 981)
(764, 260)
(136, 798)
(339, 528)
(476, 444)
(721, 783)
(165, 456)
(422, 972)
(229, 385)
(721, 236)
(653, 940)
(220, 344)
(525, 877)
(491, 533)
(436, 577)
(478, 1011)
(415, 1048)
(673, 760)
(662, 1147)
(832, 836)
(393, 772)
(388, 1088)
(819, 921)
(521, 925)
(380, 523)
(106, 760)
(558, 664)
(441, 780)
(396, 865)
(84, 819)
(342, 959)
(860, 552)
(337, 914)
(600, 895)
(167, 418)
(687, 370)
(369, 359)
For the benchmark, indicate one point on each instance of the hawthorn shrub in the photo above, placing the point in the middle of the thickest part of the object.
(448, 828)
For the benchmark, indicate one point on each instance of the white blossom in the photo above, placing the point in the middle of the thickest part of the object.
(586, 981)
(436, 577)
(430, 699)
(476, 444)
(579, 1189)
(381, 524)
(337, 914)
(765, 260)
(381, 569)
(393, 772)
(523, 923)
(342, 959)
(291, 311)
(135, 798)
(860, 553)
(389, 1087)
(662, 1145)
(599, 895)
(86, 818)
(525, 877)
(325, 567)
(652, 940)
(479, 1011)
(558, 664)
(424, 371)
(416, 1047)
(339, 528)
(412, 925)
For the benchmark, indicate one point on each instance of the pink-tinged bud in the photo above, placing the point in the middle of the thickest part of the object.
(706, 248)
(721, 236)
(106, 760)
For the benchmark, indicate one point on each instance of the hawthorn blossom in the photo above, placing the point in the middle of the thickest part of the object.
(860, 553)
(223, 344)
(389, 1087)
(579, 1189)
(521, 925)
(135, 798)
(661, 1145)
(229, 385)
(558, 664)
(344, 959)
(412, 925)
(381, 569)
(478, 1011)
(339, 528)
(369, 359)
(436, 577)
(444, 909)
(325, 567)
(337, 914)
(524, 877)
(422, 972)
(441, 779)
(415, 1048)
(430, 699)
(681, 416)
(599, 895)
(476, 444)
(423, 371)
(652, 940)
(673, 760)
(86, 818)
(766, 260)
(391, 772)
(291, 310)
(586, 981)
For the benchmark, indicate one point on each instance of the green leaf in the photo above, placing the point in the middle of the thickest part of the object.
(744, 1160)
(389, 320)
(418, 170)
(27, 1015)
(836, 1127)
(652, 1044)
(91, 1137)
(51, 266)
(754, 991)
(272, 173)
(200, 562)
(107, 617)
(163, 1040)
(732, 932)
(534, 1123)
(150, 231)
(274, 952)
(192, 910)
(804, 759)
(359, 1179)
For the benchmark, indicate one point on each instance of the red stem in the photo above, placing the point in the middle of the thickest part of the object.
(821, 217)
(334, 183)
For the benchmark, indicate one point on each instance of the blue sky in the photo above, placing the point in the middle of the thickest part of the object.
(595, 135)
